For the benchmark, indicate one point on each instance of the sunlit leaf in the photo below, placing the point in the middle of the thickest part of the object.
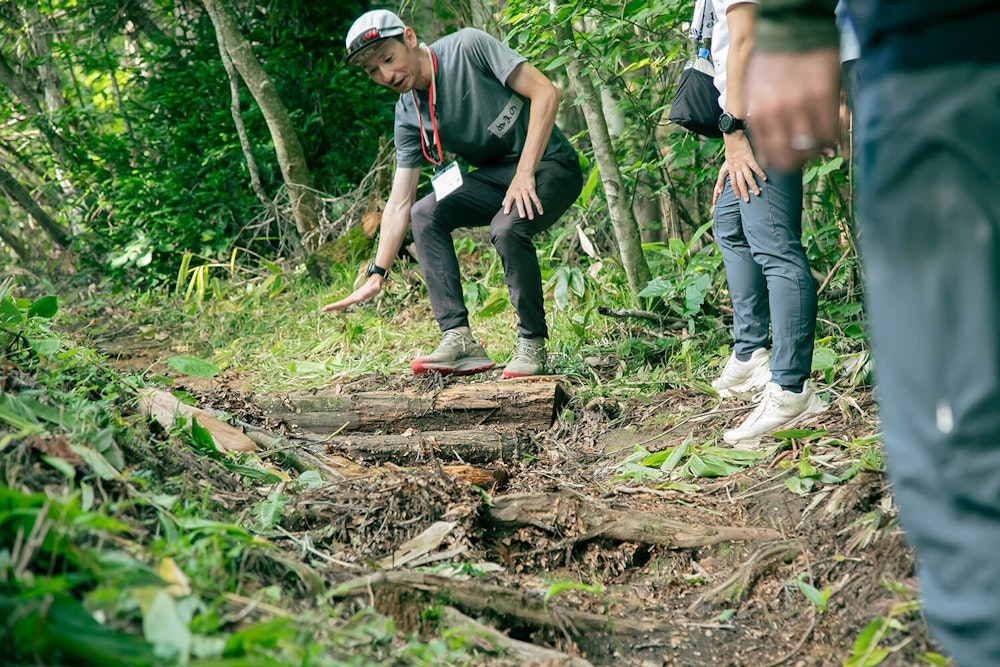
(45, 307)
(823, 359)
(9, 312)
(192, 366)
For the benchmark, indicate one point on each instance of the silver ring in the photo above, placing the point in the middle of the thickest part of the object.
(803, 142)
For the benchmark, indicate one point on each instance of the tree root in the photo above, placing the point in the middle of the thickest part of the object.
(564, 514)
(532, 656)
(738, 586)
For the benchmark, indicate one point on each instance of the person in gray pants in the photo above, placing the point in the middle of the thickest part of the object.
(758, 217)
(472, 95)
(929, 136)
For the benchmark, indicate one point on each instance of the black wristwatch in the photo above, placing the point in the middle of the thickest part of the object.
(729, 123)
(375, 268)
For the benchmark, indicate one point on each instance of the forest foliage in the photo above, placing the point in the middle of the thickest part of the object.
(154, 156)
(120, 145)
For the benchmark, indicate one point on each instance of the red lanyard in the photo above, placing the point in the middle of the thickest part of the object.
(431, 94)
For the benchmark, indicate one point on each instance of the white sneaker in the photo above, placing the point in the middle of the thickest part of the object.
(778, 409)
(744, 376)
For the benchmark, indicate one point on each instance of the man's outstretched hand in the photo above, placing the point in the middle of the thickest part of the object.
(371, 288)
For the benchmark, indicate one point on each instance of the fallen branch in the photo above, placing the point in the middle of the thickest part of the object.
(293, 455)
(667, 321)
(509, 608)
(564, 514)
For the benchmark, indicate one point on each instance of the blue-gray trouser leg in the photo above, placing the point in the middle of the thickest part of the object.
(477, 203)
(931, 250)
(768, 274)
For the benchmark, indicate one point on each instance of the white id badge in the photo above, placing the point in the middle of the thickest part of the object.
(447, 180)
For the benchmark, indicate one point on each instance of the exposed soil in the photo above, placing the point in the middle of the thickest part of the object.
(553, 545)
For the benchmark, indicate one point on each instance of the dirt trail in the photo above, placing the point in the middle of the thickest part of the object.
(569, 544)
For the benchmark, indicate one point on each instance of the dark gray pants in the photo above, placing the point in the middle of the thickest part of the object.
(930, 141)
(768, 275)
(477, 203)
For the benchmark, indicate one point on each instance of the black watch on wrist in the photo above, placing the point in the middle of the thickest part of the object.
(375, 268)
(729, 123)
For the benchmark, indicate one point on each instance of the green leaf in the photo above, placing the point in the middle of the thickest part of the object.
(496, 302)
(708, 466)
(636, 473)
(57, 629)
(163, 627)
(45, 307)
(62, 465)
(736, 456)
(657, 458)
(799, 434)
(562, 586)
(593, 178)
(694, 293)
(202, 439)
(44, 347)
(269, 512)
(97, 463)
(9, 312)
(823, 358)
(265, 476)
(192, 366)
(311, 479)
(866, 652)
(267, 634)
(657, 287)
(818, 598)
(676, 456)
(932, 658)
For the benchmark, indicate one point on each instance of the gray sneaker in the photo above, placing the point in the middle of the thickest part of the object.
(457, 354)
(529, 359)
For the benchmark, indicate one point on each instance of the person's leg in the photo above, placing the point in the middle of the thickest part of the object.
(772, 224)
(557, 187)
(747, 288)
(931, 251)
(472, 205)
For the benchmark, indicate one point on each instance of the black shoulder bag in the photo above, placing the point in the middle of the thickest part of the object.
(695, 106)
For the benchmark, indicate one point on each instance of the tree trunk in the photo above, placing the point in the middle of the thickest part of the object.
(33, 108)
(626, 230)
(18, 193)
(291, 157)
(235, 111)
(9, 238)
(39, 40)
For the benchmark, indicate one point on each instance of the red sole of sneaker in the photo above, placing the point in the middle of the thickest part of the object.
(418, 368)
(514, 376)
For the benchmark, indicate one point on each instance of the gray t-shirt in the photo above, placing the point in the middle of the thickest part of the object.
(478, 117)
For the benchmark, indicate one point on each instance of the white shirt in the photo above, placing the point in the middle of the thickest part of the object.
(720, 44)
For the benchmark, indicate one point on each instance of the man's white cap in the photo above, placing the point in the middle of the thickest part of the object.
(370, 29)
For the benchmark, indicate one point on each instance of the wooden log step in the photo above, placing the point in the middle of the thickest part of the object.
(533, 403)
(466, 446)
